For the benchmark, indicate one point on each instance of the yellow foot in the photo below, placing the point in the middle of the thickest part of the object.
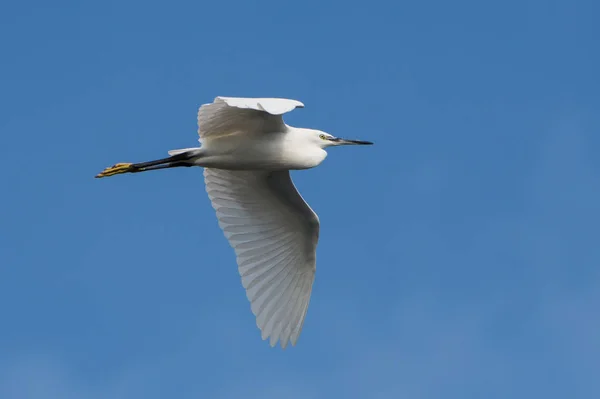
(116, 170)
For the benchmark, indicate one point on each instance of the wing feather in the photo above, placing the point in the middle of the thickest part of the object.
(232, 115)
(274, 234)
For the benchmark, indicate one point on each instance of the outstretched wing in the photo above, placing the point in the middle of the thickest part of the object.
(274, 234)
(230, 115)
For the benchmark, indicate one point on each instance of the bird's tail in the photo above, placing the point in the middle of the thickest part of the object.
(181, 151)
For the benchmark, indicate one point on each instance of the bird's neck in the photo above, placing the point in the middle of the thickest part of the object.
(299, 152)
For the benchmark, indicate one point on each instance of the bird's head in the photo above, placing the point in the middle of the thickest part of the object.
(327, 140)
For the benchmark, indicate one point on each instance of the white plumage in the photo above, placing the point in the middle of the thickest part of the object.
(274, 234)
(247, 151)
(249, 115)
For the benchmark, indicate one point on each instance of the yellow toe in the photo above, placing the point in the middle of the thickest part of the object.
(115, 170)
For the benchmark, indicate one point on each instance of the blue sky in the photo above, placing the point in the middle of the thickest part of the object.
(458, 256)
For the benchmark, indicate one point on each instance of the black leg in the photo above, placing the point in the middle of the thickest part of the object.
(137, 168)
(170, 162)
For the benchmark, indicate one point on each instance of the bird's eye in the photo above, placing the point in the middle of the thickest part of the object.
(322, 137)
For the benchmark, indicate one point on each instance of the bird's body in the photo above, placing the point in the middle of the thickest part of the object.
(247, 151)
(283, 150)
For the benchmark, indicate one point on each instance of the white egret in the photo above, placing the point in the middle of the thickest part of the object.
(247, 152)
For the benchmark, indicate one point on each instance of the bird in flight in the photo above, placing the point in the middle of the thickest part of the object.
(247, 151)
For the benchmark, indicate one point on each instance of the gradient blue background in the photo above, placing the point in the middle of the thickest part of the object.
(459, 256)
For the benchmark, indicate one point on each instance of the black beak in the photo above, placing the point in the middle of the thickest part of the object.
(352, 142)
